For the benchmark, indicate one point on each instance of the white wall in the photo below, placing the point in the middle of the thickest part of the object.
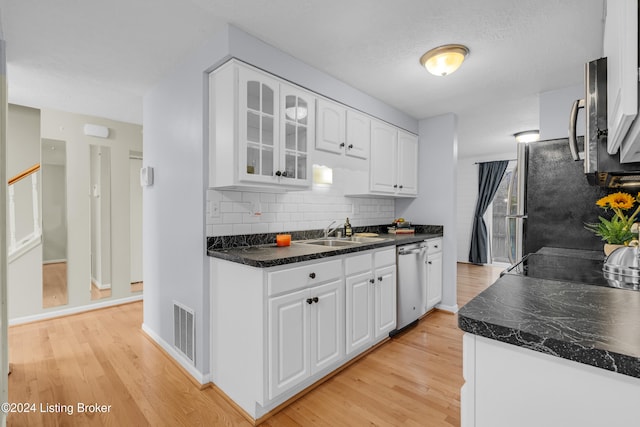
(436, 203)
(54, 212)
(175, 264)
(555, 106)
(62, 126)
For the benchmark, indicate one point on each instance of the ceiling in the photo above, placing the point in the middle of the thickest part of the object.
(100, 57)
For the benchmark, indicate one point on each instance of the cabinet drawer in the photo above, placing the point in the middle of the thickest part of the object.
(434, 245)
(302, 277)
(385, 257)
(358, 264)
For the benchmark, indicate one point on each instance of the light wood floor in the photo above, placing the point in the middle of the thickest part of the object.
(102, 357)
(54, 284)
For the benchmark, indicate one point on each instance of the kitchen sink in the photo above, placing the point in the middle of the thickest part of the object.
(330, 242)
(359, 239)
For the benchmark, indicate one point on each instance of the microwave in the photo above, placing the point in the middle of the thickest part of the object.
(600, 167)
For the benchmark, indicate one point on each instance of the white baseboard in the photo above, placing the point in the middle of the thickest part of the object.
(54, 261)
(72, 310)
(450, 308)
(101, 286)
(180, 359)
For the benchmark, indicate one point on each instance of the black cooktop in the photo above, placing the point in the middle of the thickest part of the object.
(564, 268)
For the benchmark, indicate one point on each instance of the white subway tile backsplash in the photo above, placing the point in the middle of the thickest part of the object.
(241, 229)
(305, 210)
(231, 196)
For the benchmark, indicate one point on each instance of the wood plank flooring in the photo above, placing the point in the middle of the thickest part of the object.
(102, 357)
(54, 284)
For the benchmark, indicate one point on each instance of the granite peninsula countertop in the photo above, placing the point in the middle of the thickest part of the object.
(594, 325)
(270, 255)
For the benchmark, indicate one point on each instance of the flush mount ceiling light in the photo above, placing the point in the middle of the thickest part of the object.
(527, 136)
(444, 60)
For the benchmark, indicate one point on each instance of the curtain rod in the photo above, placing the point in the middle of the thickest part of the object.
(508, 160)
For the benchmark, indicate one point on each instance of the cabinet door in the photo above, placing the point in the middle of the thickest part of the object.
(359, 311)
(385, 301)
(621, 50)
(434, 279)
(407, 163)
(297, 128)
(258, 127)
(383, 161)
(288, 341)
(327, 325)
(330, 130)
(358, 135)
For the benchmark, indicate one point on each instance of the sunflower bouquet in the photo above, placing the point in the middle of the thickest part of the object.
(618, 229)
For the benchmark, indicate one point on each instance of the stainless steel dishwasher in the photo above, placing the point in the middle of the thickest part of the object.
(412, 283)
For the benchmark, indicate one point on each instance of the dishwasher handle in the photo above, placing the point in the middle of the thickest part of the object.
(410, 252)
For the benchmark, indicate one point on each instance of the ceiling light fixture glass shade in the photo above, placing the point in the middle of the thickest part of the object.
(527, 136)
(444, 60)
(296, 113)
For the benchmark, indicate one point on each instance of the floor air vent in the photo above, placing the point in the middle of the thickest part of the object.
(184, 331)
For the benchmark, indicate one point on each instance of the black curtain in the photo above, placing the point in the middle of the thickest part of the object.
(489, 177)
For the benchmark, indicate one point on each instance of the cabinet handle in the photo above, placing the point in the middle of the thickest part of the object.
(315, 299)
(350, 146)
(428, 262)
(395, 186)
(342, 145)
(309, 301)
(278, 173)
(312, 275)
(401, 186)
(380, 279)
(372, 281)
(435, 246)
(284, 173)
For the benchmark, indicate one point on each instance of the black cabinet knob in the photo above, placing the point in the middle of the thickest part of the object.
(284, 173)
(429, 262)
(350, 146)
(312, 275)
(342, 145)
(372, 281)
(309, 301)
(401, 186)
(315, 299)
(435, 246)
(395, 186)
(380, 279)
(278, 173)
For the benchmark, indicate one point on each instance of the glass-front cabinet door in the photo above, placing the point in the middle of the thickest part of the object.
(258, 127)
(297, 114)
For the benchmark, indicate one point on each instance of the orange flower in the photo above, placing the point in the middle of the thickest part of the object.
(604, 202)
(621, 200)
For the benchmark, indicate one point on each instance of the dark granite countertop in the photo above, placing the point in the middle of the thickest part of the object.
(594, 325)
(269, 255)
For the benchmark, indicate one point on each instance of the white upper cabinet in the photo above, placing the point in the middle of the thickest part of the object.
(407, 163)
(297, 127)
(260, 130)
(394, 161)
(621, 50)
(342, 130)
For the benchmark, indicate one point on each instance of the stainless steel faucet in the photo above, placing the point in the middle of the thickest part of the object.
(329, 230)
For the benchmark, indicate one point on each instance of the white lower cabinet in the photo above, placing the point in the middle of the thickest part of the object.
(507, 385)
(370, 300)
(275, 331)
(306, 334)
(434, 273)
